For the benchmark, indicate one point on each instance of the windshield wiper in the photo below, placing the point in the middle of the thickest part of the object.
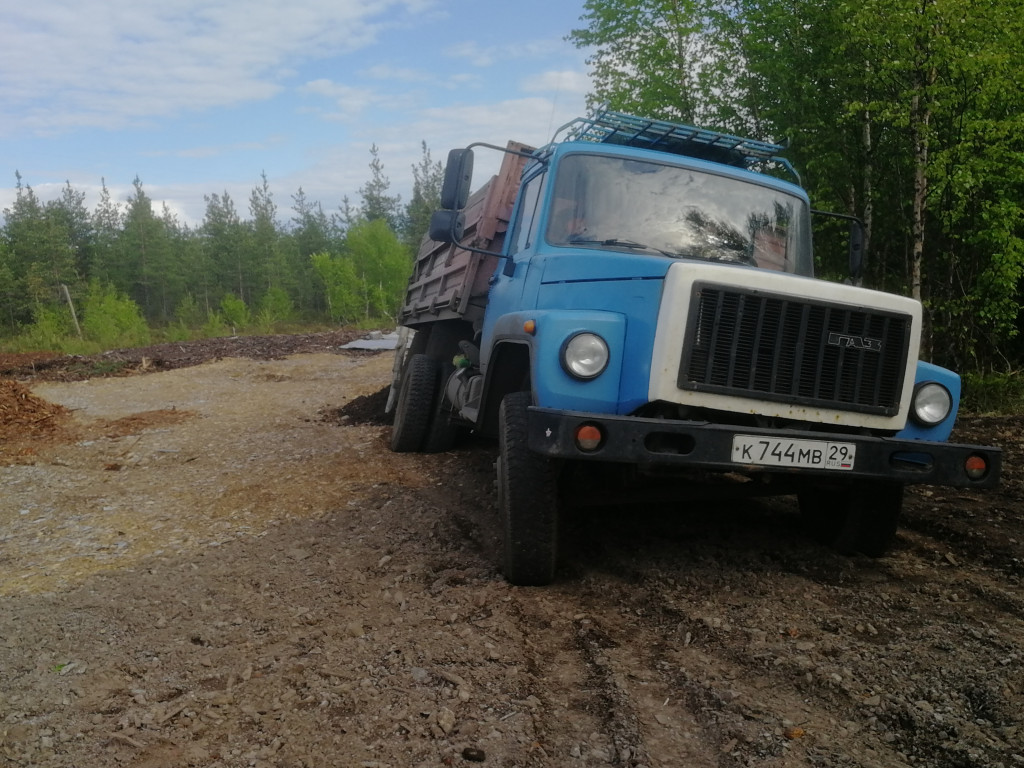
(615, 242)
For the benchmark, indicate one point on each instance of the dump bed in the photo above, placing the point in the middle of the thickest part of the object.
(449, 282)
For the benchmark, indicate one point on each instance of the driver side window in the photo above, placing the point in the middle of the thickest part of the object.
(525, 231)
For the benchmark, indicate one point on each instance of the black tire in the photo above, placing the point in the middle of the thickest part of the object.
(443, 430)
(415, 404)
(527, 499)
(861, 519)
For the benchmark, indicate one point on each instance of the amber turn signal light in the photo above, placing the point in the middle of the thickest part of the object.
(588, 437)
(976, 467)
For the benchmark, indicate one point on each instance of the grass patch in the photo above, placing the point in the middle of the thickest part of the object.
(992, 393)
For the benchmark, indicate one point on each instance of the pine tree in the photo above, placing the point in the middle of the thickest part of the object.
(106, 264)
(40, 252)
(225, 249)
(377, 203)
(145, 250)
(427, 177)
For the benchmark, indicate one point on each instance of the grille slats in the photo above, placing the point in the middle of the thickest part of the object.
(753, 344)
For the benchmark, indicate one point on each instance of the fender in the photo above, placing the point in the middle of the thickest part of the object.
(927, 372)
(551, 385)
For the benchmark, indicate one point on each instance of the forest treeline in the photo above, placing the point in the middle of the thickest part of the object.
(74, 278)
(908, 114)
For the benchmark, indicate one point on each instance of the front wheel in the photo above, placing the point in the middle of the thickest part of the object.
(527, 499)
(862, 518)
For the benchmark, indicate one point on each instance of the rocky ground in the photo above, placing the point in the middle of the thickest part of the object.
(222, 564)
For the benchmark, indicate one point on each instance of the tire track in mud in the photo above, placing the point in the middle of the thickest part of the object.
(781, 650)
(580, 685)
(704, 702)
(732, 639)
(955, 538)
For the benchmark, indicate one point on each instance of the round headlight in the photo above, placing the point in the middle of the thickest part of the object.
(585, 355)
(932, 404)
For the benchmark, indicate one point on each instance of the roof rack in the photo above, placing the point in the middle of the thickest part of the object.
(607, 127)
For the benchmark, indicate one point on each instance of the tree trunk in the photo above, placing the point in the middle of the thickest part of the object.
(868, 190)
(920, 117)
(919, 127)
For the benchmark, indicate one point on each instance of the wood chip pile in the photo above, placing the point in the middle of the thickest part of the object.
(22, 414)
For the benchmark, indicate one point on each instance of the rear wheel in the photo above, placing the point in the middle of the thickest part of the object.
(415, 405)
(862, 518)
(443, 430)
(527, 499)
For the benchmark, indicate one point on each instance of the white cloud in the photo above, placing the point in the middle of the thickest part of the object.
(398, 74)
(485, 56)
(110, 63)
(218, 150)
(564, 81)
(532, 120)
(475, 54)
(347, 101)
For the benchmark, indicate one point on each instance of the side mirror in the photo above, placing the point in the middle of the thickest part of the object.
(856, 254)
(447, 226)
(856, 249)
(458, 175)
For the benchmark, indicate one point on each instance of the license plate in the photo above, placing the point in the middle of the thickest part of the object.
(805, 454)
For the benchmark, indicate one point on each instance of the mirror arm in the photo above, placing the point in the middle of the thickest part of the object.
(481, 250)
(830, 214)
(856, 244)
(531, 155)
(509, 267)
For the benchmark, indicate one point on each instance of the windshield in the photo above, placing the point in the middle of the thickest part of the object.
(639, 206)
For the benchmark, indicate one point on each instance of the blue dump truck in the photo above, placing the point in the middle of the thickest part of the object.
(631, 310)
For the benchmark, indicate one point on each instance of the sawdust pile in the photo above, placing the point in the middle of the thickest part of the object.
(22, 414)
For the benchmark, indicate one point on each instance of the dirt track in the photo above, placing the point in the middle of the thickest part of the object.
(223, 565)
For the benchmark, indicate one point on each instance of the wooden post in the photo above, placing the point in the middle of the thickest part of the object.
(71, 305)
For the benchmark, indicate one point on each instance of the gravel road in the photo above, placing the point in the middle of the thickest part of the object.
(224, 565)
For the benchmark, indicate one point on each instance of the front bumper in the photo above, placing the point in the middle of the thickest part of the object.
(662, 443)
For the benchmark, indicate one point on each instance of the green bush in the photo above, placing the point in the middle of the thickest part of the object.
(215, 326)
(235, 312)
(189, 313)
(112, 320)
(276, 309)
(342, 288)
(50, 330)
(177, 332)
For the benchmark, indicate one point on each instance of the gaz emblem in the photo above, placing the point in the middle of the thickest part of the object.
(849, 341)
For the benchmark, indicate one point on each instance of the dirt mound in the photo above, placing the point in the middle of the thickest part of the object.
(22, 414)
(47, 366)
(365, 409)
(10, 362)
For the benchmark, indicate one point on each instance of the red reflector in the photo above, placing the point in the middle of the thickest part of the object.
(976, 467)
(588, 438)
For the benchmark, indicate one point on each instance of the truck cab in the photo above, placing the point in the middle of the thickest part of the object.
(643, 313)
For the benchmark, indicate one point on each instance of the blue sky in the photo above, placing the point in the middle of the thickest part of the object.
(200, 96)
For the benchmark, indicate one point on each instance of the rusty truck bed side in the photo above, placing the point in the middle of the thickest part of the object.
(451, 283)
